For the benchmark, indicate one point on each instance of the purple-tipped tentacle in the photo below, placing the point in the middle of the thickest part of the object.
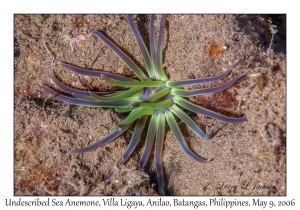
(185, 118)
(76, 101)
(109, 175)
(93, 73)
(81, 94)
(98, 94)
(143, 48)
(138, 130)
(153, 44)
(188, 93)
(198, 109)
(91, 98)
(197, 81)
(232, 65)
(102, 142)
(201, 80)
(66, 88)
(138, 72)
(176, 131)
(158, 60)
(158, 152)
(149, 141)
(122, 95)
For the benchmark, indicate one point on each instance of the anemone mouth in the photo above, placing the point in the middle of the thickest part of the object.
(151, 98)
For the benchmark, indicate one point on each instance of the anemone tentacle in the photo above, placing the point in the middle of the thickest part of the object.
(198, 109)
(123, 94)
(115, 104)
(143, 48)
(102, 142)
(185, 118)
(149, 141)
(93, 73)
(189, 93)
(138, 72)
(154, 105)
(160, 134)
(146, 83)
(176, 131)
(197, 81)
(140, 124)
(158, 62)
(153, 45)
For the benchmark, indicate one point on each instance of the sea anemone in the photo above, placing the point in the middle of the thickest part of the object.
(153, 96)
